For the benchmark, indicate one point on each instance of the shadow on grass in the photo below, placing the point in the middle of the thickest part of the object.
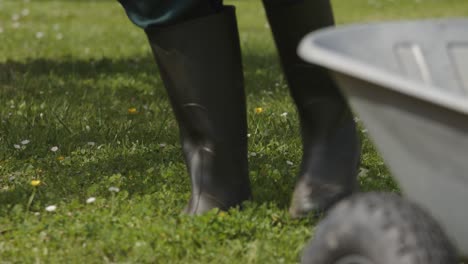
(261, 70)
(67, 67)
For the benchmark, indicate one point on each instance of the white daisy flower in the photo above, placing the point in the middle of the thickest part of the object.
(90, 200)
(284, 114)
(54, 149)
(17, 146)
(39, 35)
(114, 189)
(289, 163)
(51, 208)
(25, 142)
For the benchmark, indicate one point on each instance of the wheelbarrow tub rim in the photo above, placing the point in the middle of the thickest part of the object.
(311, 51)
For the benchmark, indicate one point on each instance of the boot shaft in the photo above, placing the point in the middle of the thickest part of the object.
(200, 64)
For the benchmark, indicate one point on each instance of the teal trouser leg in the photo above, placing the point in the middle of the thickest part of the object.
(145, 13)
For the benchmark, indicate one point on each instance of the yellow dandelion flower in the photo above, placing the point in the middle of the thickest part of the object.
(222, 214)
(35, 183)
(258, 110)
(132, 111)
(60, 158)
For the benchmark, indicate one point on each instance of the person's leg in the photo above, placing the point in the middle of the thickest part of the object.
(331, 149)
(199, 59)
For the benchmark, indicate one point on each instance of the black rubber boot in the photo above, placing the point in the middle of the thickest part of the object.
(331, 149)
(200, 63)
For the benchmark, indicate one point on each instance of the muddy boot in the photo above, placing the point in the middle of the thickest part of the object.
(331, 149)
(200, 64)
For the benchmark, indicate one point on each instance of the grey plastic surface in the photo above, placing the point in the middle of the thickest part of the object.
(408, 82)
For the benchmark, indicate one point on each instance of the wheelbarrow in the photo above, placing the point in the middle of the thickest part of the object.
(408, 83)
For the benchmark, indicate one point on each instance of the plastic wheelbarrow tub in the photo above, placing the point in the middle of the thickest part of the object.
(408, 83)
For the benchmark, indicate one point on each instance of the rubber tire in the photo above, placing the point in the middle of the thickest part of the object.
(381, 228)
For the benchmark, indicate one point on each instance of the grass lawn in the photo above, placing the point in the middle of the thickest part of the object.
(69, 73)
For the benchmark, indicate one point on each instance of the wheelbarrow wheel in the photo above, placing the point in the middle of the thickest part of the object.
(379, 228)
